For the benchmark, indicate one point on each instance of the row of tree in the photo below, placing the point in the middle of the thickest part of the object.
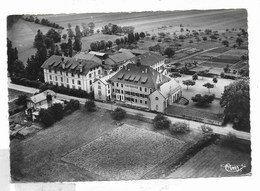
(101, 45)
(43, 21)
(113, 29)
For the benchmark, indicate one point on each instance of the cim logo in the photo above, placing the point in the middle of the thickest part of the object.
(233, 168)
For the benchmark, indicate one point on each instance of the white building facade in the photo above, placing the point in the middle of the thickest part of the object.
(71, 72)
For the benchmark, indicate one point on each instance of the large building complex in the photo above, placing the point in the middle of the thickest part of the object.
(71, 72)
(142, 86)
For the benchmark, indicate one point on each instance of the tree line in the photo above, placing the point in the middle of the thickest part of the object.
(113, 29)
(43, 21)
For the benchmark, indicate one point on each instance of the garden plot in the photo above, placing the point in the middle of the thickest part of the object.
(214, 64)
(226, 58)
(220, 50)
(125, 153)
(236, 52)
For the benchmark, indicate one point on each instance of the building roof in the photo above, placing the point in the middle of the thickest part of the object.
(73, 65)
(139, 75)
(41, 96)
(97, 53)
(169, 88)
(148, 58)
(105, 79)
(88, 56)
(121, 57)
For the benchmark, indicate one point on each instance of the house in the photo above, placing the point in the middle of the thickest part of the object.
(71, 72)
(43, 100)
(155, 61)
(142, 86)
(102, 88)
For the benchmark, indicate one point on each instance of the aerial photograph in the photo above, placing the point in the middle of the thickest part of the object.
(128, 95)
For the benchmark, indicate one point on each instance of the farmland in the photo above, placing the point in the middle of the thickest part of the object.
(206, 164)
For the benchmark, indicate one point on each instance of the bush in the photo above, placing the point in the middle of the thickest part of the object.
(74, 104)
(206, 129)
(161, 122)
(22, 100)
(203, 100)
(46, 117)
(90, 105)
(57, 111)
(179, 127)
(159, 40)
(118, 114)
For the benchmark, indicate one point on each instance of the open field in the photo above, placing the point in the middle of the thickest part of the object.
(22, 36)
(127, 153)
(38, 158)
(206, 164)
(12, 94)
(148, 21)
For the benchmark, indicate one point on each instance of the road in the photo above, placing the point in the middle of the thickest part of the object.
(221, 130)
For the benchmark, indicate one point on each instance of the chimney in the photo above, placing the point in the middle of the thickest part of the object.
(63, 63)
(49, 99)
(138, 62)
(80, 67)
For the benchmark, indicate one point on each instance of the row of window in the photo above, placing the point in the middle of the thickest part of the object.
(129, 93)
(61, 79)
(140, 88)
(73, 75)
(135, 100)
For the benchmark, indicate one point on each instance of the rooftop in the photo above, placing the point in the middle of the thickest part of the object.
(121, 57)
(41, 96)
(140, 75)
(148, 58)
(73, 65)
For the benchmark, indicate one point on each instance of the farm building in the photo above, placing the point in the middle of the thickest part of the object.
(43, 100)
(141, 86)
(71, 72)
(155, 61)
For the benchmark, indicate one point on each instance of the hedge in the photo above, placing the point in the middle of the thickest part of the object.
(55, 88)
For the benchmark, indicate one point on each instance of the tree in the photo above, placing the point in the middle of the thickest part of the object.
(91, 26)
(169, 52)
(239, 41)
(118, 41)
(46, 117)
(142, 35)
(22, 100)
(57, 111)
(64, 36)
(93, 46)
(118, 114)
(204, 38)
(77, 45)
(90, 105)
(225, 43)
(215, 80)
(209, 86)
(161, 122)
(195, 77)
(203, 100)
(64, 48)
(78, 32)
(70, 48)
(18, 68)
(70, 33)
(226, 69)
(188, 83)
(236, 102)
(38, 40)
(109, 44)
(55, 36)
(137, 37)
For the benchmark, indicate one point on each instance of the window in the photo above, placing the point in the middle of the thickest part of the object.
(60, 73)
(112, 83)
(99, 92)
(50, 77)
(151, 91)
(72, 74)
(145, 102)
(91, 88)
(141, 101)
(140, 88)
(72, 81)
(99, 87)
(90, 82)
(156, 98)
(136, 100)
(50, 70)
(122, 92)
(99, 71)
(99, 83)
(113, 90)
(122, 86)
(145, 89)
(66, 73)
(78, 75)
(55, 71)
(108, 91)
(67, 80)
(79, 82)
(116, 84)
(56, 79)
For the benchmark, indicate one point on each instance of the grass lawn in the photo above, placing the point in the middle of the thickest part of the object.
(206, 164)
(15, 94)
(22, 36)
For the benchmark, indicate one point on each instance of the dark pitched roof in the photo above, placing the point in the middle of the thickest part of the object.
(148, 58)
(70, 64)
(139, 75)
(120, 57)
